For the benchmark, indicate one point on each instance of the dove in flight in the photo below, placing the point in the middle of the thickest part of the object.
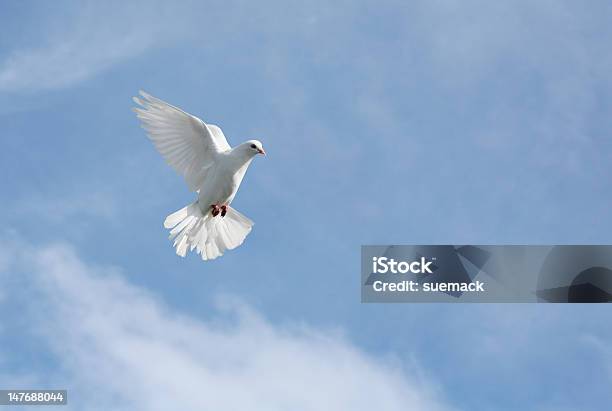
(200, 153)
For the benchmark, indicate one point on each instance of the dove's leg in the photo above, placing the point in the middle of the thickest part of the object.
(215, 210)
(223, 210)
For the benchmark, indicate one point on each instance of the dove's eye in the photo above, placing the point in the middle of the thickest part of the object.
(253, 146)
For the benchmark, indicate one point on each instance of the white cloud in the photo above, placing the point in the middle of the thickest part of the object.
(120, 347)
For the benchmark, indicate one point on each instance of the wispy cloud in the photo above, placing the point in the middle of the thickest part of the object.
(120, 347)
(602, 347)
(551, 53)
(89, 40)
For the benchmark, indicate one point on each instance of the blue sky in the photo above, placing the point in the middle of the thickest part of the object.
(384, 122)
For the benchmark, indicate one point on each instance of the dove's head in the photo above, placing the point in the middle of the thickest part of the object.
(254, 147)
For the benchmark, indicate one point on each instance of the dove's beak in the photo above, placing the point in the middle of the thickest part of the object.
(261, 151)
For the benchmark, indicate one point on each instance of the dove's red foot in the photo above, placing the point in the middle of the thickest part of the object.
(223, 210)
(215, 210)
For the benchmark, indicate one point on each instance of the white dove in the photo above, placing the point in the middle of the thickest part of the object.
(214, 170)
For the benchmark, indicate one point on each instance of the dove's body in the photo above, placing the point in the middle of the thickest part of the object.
(201, 154)
(225, 179)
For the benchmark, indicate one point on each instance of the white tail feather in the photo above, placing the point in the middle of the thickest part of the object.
(209, 236)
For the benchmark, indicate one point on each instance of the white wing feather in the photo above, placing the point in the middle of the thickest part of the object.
(217, 132)
(188, 145)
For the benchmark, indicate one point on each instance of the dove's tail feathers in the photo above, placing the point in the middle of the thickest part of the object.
(209, 236)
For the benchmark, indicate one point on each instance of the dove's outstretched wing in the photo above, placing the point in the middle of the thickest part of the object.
(187, 144)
